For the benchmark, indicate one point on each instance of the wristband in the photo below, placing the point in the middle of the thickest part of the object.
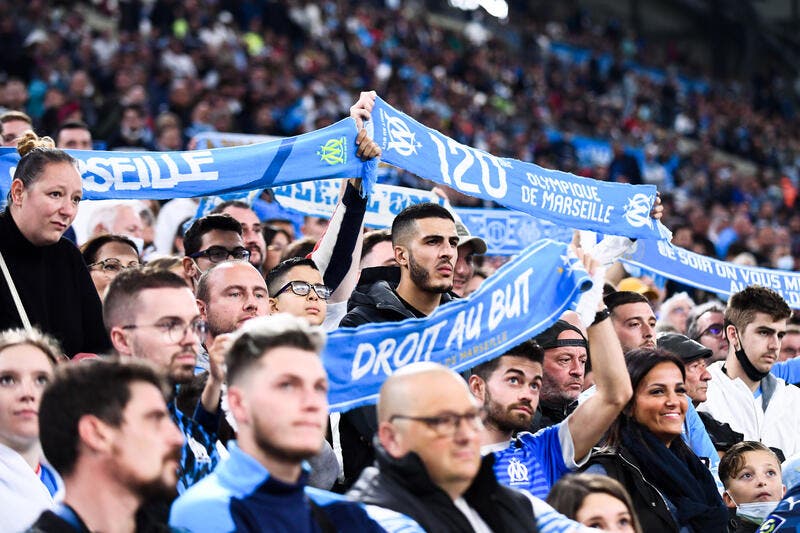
(601, 315)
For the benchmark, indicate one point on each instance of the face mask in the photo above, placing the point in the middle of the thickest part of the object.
(752, 372)
(756, 512)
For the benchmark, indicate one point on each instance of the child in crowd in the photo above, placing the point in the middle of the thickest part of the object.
(751, 474)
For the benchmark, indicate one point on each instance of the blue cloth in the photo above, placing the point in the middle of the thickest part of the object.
(788, 371)
(786, 517)
(49, 478)
(533, 462)
(241, 495)
(199, 454)
(696, 436)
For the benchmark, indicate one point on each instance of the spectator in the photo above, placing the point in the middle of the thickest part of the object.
(262, 486)
(108, 255)
(706, 326)
(671, 488)
(107, 431)
(251, 229)
(28, 484)
(13, 124)
(595, 501)
(674, 312)
(56, 293)
(74, 135)
(633, 319)
(210, 240)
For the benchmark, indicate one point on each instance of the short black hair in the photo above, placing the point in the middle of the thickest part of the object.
(99, 387)
(276, 277)
(193, 238)
(615, 299)
(71, 125)
(405, 221)
(374, 238)
(529, 349)
(90, 248)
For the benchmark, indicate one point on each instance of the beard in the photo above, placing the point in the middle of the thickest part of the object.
(503, 418)
(290, 455)
(422, 278)
(157, 489)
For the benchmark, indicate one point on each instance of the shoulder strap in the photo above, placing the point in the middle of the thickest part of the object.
(15, 295)
(321, 517)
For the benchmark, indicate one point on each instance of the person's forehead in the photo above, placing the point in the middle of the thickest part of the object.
(436, 226)
(303, 273)
(763, 319)
(291, 360)
(154, 304)
(710, 318)
(242, 215)
(436, 392)
(759, 457)
(144, 398)
(116, 249)
(217, 237)
(634, 310)
(15, 126)
(666, 372)
(508, 362)
(236, 273)
(75, 133)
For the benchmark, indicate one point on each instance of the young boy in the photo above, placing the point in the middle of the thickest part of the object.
(751, 474)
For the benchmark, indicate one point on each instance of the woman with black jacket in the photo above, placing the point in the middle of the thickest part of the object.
(672, 489)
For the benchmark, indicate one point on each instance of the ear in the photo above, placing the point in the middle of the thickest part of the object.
(17, 188)
(273, 306)
(733, 336)
(477, 387)
(94, 433)
(201, 306)
(238, 405)
(401, 255)
(728, 500)
(783, 490)
(120, 341)
(99, 229)
(190, 269)
(390, 439)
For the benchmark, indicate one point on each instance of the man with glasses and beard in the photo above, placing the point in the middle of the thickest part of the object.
(106, 429)
(277, 392)
(153, 315)
(210, 240)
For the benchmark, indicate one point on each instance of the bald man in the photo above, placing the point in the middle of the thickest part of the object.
(429, 474)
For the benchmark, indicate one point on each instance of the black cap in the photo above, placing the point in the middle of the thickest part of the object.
(549, 337)
(682, 346)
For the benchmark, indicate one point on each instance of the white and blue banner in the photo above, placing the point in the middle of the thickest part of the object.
(505, 232)
(560, 197)
(326, 153)
(218, 139)
(713, 275)
(522, 299)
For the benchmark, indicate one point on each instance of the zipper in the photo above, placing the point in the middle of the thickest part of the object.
(663, 499)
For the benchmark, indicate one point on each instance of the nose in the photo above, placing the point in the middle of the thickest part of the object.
(174, 435)
(250, 302)
(576, 368)
(705, 376)
(312, 294)
(647, 330)
(68, 208)
(27, 390)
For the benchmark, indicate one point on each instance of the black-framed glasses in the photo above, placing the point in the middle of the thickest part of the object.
(112, 265)
(175, 330)
(446, 424)
(715, 330)
(218, 254)
(302, 288)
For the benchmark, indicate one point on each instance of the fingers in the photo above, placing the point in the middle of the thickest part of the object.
(367, 148)
(362, 109)
(658, 210)
(439, 192)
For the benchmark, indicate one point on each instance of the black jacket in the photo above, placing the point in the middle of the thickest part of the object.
(369, 303)
(56, 291)
(403, 485)
(648, 502)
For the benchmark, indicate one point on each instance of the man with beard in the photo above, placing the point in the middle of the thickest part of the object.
(742, 392)
(277, 392)
(425, 243)
(105, 427)
(251, 229)
(153, 315)
(633, 319)
(509, 387)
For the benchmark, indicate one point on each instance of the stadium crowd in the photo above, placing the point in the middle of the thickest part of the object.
(165, 374)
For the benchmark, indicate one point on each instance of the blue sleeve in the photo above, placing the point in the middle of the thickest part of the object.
(208, 421)
(696, 436)
(542, 461)
(788, 371)
(196, 512)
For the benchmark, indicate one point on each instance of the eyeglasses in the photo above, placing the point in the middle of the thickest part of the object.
(218, 254)
(302, 288)
(112, 265)
(715, 330)
(446, 424)
(175, 330)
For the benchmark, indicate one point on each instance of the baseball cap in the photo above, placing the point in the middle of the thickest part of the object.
(549, 337)
(682, 346)
(464, 237)
(637, 285)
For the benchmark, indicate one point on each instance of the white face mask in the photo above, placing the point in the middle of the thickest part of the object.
(756, 512)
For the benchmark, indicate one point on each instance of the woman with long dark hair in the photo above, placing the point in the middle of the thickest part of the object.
(672, 489)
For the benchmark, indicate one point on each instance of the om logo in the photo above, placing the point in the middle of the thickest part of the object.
(401, 140)
(497, 232)
(334, 152)
(517, 472)
(637, 211)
